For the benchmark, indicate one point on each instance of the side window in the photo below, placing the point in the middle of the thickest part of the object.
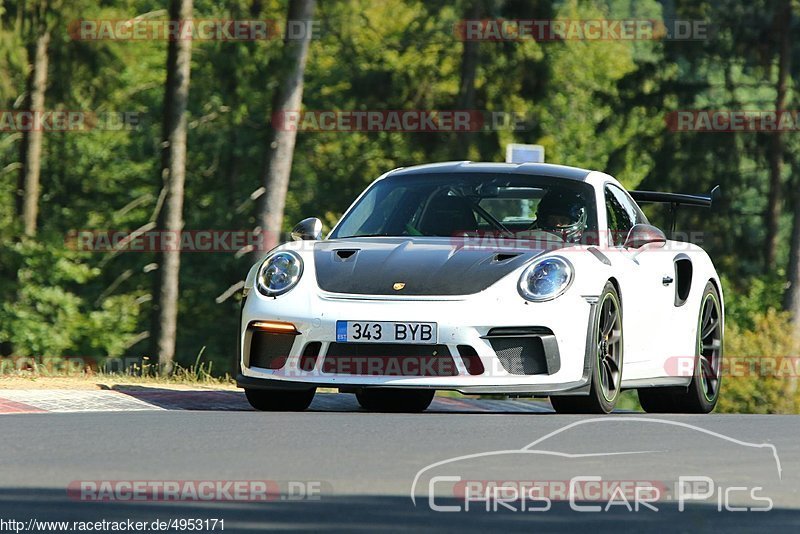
(630, 206)
(621, 215)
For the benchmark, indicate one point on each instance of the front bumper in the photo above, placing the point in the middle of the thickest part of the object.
(563, 323)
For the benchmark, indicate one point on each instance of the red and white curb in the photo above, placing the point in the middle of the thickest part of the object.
(15, 401)
(63, 401)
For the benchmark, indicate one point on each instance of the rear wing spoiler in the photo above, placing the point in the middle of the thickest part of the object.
(676, 200)
(704, 201)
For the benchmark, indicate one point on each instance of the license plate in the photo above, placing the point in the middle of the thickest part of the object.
(386, 332)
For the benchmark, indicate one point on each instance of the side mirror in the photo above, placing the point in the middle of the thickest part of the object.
(644, 234)
(308, 230)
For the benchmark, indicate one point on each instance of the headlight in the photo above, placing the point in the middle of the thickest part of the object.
(546, 279)
(279, 273)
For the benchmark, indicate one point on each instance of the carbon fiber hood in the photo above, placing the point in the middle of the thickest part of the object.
(426, 266)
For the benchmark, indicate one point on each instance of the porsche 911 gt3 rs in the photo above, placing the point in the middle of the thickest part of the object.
(486, 278)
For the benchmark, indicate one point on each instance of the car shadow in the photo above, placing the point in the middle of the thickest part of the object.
(217, 400)
(175, 399)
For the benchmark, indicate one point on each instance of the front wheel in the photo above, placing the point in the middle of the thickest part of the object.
(703, 392)
(275, 400)
(607, 358)
(395, 400)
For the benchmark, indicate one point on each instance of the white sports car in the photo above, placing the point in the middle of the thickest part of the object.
(486, 278)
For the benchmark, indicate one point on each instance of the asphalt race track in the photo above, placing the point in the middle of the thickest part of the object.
(364, 465)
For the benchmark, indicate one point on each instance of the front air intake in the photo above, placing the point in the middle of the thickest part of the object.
(520, 355)
(270, 350)
(308, 359)
(388, 359)
(471, 360)
(525, 350)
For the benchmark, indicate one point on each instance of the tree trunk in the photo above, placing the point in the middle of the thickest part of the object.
(280, 150)
(776, 142)
(173, 173)
(31, 146)
(466, 89)
(792, 297)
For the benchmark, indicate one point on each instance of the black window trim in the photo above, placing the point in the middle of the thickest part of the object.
(625, 193)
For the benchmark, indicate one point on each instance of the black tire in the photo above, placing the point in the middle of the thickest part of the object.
(608, 360)
(395, 400)
(276, 400)
(703, 392)
(657, 400)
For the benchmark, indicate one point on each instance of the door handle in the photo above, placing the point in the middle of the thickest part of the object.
(667, 280)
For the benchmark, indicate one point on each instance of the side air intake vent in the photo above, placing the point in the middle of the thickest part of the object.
(683, 274)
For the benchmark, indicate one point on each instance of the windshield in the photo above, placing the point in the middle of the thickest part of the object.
(462, 204)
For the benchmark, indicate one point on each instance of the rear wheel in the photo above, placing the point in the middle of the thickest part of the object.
(395, 400)
(275, 400)
(607, 357)
(703, 392)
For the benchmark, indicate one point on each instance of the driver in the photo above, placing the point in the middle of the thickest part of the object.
(562, 213)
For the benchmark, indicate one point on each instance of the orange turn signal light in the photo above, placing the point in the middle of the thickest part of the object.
(274, 326)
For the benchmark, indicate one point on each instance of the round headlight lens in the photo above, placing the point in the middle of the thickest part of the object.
(279, 273)
(546, 279)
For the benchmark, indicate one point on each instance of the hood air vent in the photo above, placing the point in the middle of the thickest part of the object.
(500, 257)
(344, 255)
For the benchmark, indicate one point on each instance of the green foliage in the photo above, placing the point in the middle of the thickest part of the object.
(585, 75)
(762, 367)
(746, 303)
(48, 310)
